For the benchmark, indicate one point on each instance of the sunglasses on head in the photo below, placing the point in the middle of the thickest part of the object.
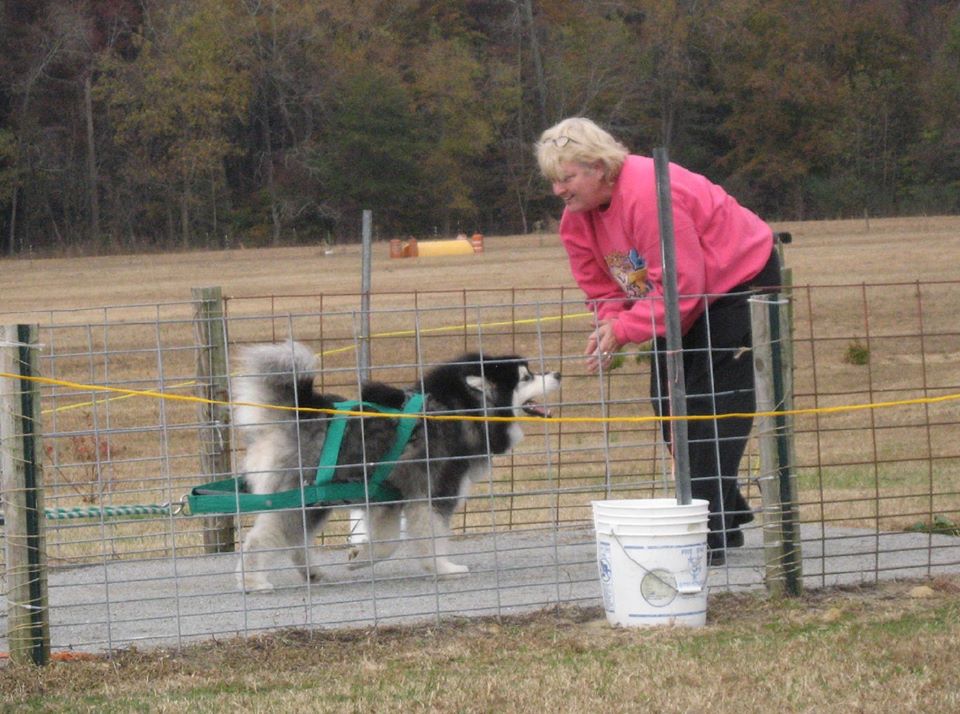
(560, 141)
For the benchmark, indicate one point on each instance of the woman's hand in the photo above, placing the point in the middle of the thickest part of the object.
(602, 345)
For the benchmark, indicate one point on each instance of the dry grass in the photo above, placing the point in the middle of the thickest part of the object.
(889, 648)
(822, 253)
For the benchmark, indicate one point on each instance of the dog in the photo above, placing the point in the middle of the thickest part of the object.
(432, 474)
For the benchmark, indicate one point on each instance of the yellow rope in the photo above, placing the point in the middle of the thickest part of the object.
(451, 417)
(396, 333)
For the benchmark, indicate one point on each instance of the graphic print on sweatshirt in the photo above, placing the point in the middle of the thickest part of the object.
(630, 271)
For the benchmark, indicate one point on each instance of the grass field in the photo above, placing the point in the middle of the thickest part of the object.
(888, 648)
(822, 253)
(856, 285)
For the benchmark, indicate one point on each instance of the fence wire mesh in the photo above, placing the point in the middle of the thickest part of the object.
(125, 438)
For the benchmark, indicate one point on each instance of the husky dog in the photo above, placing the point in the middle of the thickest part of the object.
(432, 474)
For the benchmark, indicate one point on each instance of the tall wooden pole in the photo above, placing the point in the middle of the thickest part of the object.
(219, 532)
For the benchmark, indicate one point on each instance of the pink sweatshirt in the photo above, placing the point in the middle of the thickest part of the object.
(615, 253)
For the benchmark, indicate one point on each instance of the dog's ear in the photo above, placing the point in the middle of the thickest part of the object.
(482, 386)
(476, 382)
(487, 387)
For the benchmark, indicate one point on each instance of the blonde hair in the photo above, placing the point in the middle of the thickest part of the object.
(579, 140)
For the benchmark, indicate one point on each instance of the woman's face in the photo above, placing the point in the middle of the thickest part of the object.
(582, 187)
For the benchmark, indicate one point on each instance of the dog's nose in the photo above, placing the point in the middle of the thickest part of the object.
(555, 375)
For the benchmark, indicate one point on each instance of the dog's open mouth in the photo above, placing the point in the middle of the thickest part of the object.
(534, 408)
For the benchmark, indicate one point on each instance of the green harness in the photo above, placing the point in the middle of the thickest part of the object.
(231, 495)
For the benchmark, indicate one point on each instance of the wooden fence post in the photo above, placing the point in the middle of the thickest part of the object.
(783, 363)
(219, 532)
(21, 469)
(781, 534)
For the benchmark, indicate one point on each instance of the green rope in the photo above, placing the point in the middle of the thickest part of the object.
(324, 490)
(107, 511)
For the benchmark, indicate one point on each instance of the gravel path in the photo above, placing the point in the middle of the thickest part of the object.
(177, 601)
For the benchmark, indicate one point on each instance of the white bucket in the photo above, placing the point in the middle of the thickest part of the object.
(652, 558)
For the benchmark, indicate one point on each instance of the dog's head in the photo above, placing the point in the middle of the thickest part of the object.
(479, 385)
(508, 382)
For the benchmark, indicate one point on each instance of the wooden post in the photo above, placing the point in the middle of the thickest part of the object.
(781, 323)
(781, 315)
(780, 524)
(219, 532)
(28, 621)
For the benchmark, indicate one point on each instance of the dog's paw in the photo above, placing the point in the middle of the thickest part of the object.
(358, 558)
(251, 584)
(446, 568)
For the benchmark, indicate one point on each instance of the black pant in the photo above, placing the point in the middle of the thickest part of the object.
(718, 374)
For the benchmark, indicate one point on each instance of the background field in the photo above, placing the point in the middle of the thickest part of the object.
(856, 285)
(857, 279)
(822, 253)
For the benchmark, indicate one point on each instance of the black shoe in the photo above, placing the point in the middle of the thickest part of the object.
(718, 542)
(716, 548)
(741, 511)
(735, 538)
(721, 540)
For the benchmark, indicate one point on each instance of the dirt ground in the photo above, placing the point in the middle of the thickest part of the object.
(822, 253)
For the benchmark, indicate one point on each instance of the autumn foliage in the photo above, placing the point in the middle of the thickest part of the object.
(137, 124)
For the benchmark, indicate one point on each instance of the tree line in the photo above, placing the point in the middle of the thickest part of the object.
(138, 124)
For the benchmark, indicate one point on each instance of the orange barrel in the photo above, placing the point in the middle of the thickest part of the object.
(396, 248)
(477, 240)
(410, 249)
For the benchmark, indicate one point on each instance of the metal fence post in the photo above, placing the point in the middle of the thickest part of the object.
(21, 469)
(363, 361)
(674, 338)
(219, 532)
(781, 534)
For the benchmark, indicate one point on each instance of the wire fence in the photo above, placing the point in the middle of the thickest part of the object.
(126, 434)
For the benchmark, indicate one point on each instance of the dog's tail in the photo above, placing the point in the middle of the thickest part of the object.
(272, 375)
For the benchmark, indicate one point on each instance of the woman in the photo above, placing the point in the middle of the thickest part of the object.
(611, 233)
